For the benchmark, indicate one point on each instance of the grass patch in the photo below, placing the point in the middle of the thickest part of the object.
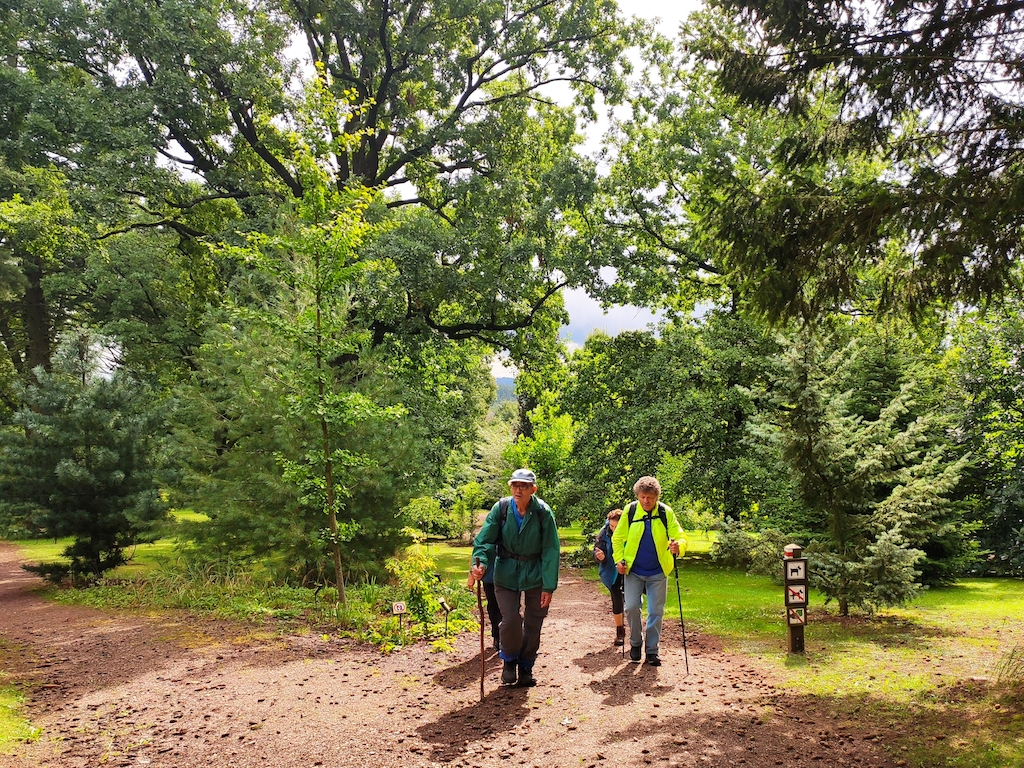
(13, 727)
(451, 561)
(946, 672)
(571, 536)
(143, 558)
(188, 516)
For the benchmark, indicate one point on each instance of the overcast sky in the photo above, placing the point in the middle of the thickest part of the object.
(586, 314)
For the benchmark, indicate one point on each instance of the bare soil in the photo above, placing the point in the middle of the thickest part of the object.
(172, 690)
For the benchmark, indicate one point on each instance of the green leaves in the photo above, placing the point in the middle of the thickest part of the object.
(898, 157)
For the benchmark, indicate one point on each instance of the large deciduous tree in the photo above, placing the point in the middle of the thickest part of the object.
(456, 119)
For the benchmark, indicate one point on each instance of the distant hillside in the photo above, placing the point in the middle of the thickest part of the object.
(506, 389)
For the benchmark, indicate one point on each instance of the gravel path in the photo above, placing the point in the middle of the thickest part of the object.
(173, 691)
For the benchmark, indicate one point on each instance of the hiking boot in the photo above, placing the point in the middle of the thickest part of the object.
(634, 653)
(526, 678)
(653, 660)
(620, 635)
(508, 673)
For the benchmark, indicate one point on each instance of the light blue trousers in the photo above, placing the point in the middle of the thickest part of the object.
(657, 592)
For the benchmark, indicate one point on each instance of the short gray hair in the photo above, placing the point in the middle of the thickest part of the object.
(647, 484)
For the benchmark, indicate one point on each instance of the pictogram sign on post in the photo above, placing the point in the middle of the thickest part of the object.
(398, 609)
(794, 577)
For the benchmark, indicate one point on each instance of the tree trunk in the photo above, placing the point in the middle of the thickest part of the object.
(35, 315)
(332, 515)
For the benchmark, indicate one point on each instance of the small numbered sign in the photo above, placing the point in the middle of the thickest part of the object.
(796, 570)
(398, 608)
(798, 616)
(796, 594)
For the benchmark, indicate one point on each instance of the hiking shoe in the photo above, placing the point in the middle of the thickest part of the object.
(653, 660)
(634, 653)
(526, 678)
(620, 635)
(508, 673)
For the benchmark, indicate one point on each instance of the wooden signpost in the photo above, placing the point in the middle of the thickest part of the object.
(794, 578)
(398, 609)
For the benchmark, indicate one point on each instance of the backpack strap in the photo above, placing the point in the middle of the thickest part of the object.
(503, 504)
(662, 514)
(631, 510)
(500, 549)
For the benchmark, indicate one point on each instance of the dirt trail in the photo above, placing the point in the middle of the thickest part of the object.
(173, 691)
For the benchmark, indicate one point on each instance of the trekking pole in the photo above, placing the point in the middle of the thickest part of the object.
(679, 595)
(622, 591)
(480, 606)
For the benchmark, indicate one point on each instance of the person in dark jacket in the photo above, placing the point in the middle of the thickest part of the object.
(610, 575)
(520, 537)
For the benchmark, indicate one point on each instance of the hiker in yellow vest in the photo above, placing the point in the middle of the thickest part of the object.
(644, 545)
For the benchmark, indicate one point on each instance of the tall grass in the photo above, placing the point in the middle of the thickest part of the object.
(1010, 671)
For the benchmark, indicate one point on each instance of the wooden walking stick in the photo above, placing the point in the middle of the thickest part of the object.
(480, 605)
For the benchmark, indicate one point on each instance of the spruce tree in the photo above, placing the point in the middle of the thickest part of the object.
(878, 488)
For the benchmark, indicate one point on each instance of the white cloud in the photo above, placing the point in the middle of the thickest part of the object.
(586, 316)
(500, 369)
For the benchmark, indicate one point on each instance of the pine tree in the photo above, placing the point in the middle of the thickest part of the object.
(84, 465)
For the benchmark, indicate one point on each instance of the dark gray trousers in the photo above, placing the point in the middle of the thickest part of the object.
(521, 622)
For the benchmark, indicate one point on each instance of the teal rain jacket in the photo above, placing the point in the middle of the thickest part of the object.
(538, 536)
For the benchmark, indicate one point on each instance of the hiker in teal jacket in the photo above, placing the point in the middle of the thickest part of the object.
(644, 546)
(525, 552)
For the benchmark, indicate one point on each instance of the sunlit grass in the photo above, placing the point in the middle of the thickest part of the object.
(143, 558)
(450, 561)
(571, 537)
(42, 550)
(13, 728)
(188, 516)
